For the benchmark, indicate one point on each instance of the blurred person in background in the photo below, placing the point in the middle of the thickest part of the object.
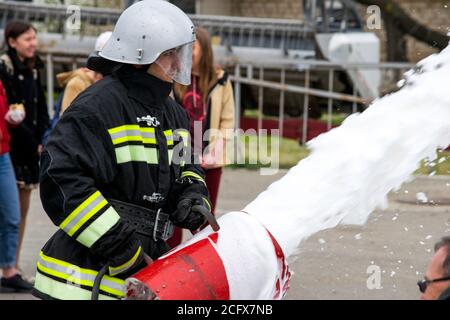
(209, 103)
(436, 283)
(75, 82)
(11, 280)
(19, 72)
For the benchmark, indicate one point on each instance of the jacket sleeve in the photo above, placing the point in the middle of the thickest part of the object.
(228, 109)
(5, 78)
(192, 182)
(43, 119)
(218, 140)
(77, 160)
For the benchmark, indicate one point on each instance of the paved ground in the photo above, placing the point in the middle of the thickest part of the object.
(333, 264)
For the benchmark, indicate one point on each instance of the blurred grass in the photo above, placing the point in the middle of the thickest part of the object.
(291, 152)
(440, 166)
(336, 118)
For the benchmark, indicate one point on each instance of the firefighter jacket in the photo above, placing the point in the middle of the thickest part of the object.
(125, 139)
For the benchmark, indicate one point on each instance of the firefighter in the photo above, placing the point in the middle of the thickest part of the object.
(117, 170)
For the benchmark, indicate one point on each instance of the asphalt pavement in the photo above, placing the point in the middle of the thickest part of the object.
(381, 260)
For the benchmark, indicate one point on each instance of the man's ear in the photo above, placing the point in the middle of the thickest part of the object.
(445, 295)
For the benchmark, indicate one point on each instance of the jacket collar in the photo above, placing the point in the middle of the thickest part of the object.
(21, 66)
(144, 87)
(222, 77)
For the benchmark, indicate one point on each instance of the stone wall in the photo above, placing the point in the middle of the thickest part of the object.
(286, 9)
(433, 13)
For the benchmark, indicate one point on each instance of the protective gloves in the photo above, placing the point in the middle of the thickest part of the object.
(185, 217)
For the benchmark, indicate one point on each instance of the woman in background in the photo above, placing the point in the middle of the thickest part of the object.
(11, 280)
(210, 104)
(19, 72)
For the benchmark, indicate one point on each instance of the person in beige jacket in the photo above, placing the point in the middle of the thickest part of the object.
(80, 79)
(209, 102)
(74, 83)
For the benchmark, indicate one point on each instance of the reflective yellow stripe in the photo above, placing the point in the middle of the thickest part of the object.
(83, 212)
(207, 203)
(64, 291)
(134, 138)
(87, 216)
(76, 268)
(126, 127)
(169, 137)
(64, 264)
(75, 275)
(185, 135)
(83, 205)
(127, 133)
(135, 133)
(116, 270)
(98, 227)
(136, 153)
(193, 175)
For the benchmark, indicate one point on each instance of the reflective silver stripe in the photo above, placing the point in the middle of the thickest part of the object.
(73, 273)
(80, 215)
(66, 291)
(133, 133)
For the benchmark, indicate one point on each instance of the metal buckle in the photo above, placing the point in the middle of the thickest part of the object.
(155, 228)
(168, 231)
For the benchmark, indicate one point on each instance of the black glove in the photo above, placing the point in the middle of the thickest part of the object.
(185, 217)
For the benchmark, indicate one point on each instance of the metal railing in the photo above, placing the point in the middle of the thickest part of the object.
(51, 58)
(47, 13)
(289, 65)
(308, 66)
(285, 34)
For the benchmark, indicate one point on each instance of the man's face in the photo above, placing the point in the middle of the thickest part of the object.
(169, 62)
(435, 271)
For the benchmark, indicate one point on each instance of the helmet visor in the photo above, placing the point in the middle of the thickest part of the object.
(177, 63)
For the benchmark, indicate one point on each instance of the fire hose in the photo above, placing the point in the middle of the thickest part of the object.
(242, 261)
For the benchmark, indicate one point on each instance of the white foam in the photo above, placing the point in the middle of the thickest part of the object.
(348, 174)
(352, 168)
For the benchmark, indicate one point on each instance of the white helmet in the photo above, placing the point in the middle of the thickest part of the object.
(102, 39)
(149, 28)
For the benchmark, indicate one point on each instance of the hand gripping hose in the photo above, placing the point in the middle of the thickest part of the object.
(208, 215)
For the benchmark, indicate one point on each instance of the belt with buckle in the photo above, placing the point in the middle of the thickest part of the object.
(147, 222)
